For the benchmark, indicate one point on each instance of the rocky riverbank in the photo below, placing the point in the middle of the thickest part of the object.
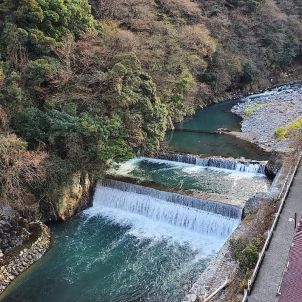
(263, 113)
(16, 261)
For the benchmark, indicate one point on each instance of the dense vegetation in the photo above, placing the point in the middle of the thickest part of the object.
(83, 85)
(61, 96)
(197, 51)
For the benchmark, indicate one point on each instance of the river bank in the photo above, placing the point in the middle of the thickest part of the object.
(262, 114)
(19, 259)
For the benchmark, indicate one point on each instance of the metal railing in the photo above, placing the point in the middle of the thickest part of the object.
(282, 196)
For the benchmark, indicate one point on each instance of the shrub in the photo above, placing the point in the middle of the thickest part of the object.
(287, 130)
(245, 253)
(249, 72)
(248, 257)
(41, 71)
(236, 247)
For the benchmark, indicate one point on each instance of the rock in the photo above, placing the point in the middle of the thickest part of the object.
(253, 204)
(190, 298)
(11, 277)
(274, 164)
(74, 196)
(20, 269)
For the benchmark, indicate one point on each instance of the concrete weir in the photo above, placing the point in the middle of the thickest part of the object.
(209, 202)
(241, 165)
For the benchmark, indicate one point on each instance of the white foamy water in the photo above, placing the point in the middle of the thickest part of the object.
(247, 166)
(223, 166)
(151, 217)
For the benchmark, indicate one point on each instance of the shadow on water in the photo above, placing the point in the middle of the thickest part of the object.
(213, 117)
(208, 144)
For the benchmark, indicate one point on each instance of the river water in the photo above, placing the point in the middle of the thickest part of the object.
(232, 183)
(127, 247)
(211, 144)
(132, 247)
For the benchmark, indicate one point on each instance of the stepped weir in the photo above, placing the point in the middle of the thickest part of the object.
(216, 207)
(240, 165)
(173, 210)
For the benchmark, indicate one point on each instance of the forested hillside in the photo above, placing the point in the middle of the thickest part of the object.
(83, 85)
(197, 51)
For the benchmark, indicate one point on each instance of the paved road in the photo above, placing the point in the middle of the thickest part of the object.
(275, 260)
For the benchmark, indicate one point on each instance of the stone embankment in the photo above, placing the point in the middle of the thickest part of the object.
(263, 113)
(17, 261)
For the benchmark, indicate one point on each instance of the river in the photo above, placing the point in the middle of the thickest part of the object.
(132, 247)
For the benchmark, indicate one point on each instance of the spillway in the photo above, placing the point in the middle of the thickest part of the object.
(248, 166)
(139, 192)
(161, 211)
(127, 247)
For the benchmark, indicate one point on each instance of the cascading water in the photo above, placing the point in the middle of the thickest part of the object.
(127, 247)
(184, 200)
(160, 211)
(230, 164)
(247, 166)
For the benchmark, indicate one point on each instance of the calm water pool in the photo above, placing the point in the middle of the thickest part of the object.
(210, 119)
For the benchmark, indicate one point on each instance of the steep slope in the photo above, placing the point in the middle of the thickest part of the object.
(200, 50)
(86, 87)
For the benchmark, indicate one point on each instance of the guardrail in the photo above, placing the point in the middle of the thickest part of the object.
(282, 197)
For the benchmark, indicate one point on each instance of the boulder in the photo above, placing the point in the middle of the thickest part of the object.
(274, 164)
(253, 203)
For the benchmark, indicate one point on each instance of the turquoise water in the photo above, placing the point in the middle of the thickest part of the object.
(133, 248)
(213, 117)
(191, 177)
(213, 145)
(117, 253)
(208, 144)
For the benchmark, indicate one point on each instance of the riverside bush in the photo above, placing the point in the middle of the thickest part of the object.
(59, 93)
(245, 253)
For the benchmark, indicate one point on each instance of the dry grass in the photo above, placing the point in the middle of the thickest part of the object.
(255, 228)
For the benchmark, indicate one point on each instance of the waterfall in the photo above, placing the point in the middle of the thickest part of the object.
(108, 199)
(182, 158)
(216, 207)
(248, 166)
(231, 164)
